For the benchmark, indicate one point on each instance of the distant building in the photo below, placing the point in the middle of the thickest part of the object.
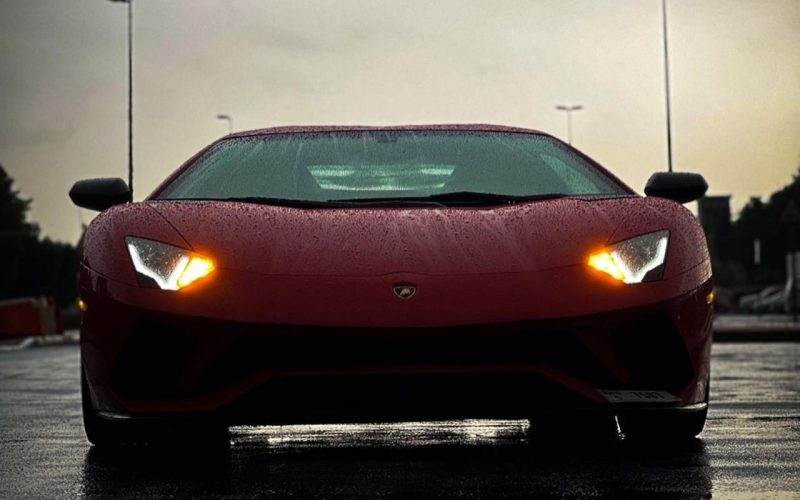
(714, 213)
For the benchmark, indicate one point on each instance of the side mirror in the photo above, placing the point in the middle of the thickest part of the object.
(682, 187)
(100, 194)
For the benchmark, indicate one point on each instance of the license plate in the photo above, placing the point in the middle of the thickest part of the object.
(638, 396)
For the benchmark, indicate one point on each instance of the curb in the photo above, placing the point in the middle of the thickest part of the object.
(750, 328)
(69, 337)
(724, 336)
(22, 344)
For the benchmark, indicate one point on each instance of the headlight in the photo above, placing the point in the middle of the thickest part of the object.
(163, 266)
(636, 260)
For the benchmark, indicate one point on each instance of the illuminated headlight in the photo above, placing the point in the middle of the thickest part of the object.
(163, 266)
(636, 260)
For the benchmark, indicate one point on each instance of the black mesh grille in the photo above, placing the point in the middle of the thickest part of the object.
(174, 358)
(158, 360)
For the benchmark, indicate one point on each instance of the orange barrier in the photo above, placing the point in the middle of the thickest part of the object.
(30, 316)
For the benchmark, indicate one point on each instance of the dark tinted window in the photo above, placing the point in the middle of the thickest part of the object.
(365, 164)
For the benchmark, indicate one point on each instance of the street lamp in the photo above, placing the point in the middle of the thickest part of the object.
(229, 120)
(569, 110)
(130, 91)
(666, 83)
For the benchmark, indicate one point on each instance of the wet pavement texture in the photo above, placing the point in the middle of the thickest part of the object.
(749, 449)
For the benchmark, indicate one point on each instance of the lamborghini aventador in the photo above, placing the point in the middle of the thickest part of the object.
(349, 274)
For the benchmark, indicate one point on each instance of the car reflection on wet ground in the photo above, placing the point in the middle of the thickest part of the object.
(750, 448)
(474, 459)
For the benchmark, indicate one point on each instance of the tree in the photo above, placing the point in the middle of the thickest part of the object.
(13, 209)
(31, 267)
(762, 221)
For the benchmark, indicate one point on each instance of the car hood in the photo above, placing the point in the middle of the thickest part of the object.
(277, 240)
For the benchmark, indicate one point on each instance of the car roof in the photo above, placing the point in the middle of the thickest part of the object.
(460, 127)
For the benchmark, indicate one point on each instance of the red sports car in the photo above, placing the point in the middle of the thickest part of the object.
(346, 274)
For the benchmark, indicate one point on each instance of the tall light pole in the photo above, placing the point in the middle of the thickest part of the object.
(666, 83)
(569, 110)
(130, 91)
(229, 120)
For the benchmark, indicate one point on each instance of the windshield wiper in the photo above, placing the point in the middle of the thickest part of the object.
(460, 198)
(264, 200)
(457, 198)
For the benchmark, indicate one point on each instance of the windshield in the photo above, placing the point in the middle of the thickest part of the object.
(388, 165)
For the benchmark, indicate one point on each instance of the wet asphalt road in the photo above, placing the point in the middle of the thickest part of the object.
(750, 448)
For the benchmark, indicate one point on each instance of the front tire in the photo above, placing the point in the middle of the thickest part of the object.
(99, 432)
(655, 426)
(105, 433)
(567, 427)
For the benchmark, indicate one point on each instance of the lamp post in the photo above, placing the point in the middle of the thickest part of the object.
(229, 120)
(130, 91)
(569, 110)
(666, 83)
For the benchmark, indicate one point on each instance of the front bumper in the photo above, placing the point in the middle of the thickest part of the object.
(144, 363)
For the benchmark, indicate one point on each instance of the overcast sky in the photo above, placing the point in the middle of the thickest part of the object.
(735, 67)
